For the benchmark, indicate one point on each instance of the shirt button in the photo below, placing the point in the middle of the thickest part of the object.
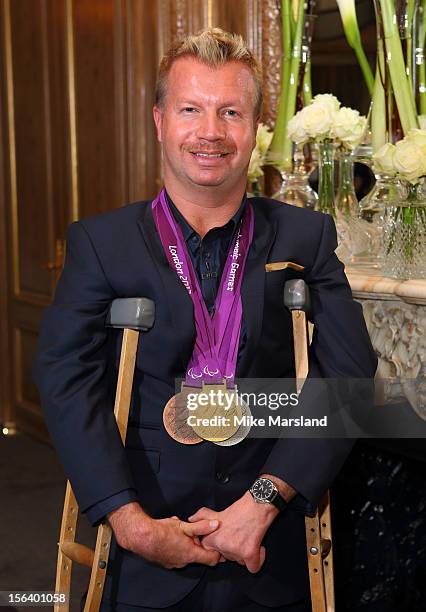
(223, 477)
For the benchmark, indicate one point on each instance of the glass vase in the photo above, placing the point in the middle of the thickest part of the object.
(356, 238)
(346, 201)
(386, 192)
(295, 188)
(326, 156)
(404, 236)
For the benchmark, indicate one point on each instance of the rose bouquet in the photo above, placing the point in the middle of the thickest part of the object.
(406, 159)
(325, 119)
(330, 126)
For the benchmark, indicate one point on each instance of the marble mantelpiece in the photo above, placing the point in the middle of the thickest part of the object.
(370, 285)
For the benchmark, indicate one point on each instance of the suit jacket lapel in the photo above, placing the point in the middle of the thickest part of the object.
(253, 285)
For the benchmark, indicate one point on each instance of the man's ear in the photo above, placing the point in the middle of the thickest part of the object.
(158, 120)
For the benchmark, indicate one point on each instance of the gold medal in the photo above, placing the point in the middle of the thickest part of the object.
(217, 413)
(175, 417)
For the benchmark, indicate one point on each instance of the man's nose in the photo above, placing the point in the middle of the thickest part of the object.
(211, 127)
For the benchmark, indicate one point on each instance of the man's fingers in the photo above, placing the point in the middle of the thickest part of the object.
(199, 528)
(208, 557)
(202, 513)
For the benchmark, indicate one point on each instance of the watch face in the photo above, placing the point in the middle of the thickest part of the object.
(263, 489)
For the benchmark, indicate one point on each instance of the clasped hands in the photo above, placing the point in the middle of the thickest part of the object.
(208, 537)
(241, 529)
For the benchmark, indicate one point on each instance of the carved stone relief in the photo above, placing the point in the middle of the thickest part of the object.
(397, 331)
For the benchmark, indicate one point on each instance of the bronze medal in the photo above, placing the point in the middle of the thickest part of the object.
(175, 418)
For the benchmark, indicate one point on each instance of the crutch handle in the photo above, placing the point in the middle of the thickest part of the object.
(296, 295)
(131, 313)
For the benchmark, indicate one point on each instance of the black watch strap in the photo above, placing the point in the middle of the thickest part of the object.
(279, 502)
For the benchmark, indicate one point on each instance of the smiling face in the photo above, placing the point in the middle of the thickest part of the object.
(207, 126)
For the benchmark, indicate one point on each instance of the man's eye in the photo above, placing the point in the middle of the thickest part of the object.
(231, 113)
(188, 109)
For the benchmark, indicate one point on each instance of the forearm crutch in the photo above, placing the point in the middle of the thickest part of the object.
(133, 315)
(318, 528)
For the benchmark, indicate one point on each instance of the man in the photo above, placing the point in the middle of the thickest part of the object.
(189, 535)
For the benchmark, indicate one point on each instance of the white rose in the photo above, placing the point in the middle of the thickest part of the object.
(295, 130)
(255, 166)
(317, 120)
(410, 160)
(348, 127)
(383, 159)
(263, 138)
(418, 137)
(327, 100)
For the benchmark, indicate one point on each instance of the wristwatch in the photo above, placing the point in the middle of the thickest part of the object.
(264, 491)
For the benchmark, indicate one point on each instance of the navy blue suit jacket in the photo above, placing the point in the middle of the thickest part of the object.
(118, 254)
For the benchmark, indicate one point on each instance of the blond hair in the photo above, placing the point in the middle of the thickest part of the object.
(214, 47)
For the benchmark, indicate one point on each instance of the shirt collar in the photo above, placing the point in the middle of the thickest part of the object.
(188, 231)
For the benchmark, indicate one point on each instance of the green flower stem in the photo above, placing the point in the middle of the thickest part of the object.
(307, 84)
(280, 131)
(293, 83)
(411, 5)
(378, 111)
(422, 89)
(346, 197)
(353, 36)
(365, 67)
(403, 93)
(389, 112)
(292, 21)
(422, 67)
(326, 178)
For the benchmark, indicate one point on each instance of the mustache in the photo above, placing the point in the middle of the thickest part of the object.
(215, 150)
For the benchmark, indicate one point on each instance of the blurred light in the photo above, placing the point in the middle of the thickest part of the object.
(5, 431)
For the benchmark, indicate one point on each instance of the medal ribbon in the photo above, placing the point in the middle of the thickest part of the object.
(217, 338)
